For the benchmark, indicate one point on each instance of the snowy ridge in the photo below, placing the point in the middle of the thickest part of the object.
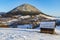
(19, 29)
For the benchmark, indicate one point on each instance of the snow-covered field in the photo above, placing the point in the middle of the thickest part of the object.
(26, 34)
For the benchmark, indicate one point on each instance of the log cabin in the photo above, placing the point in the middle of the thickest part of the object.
(47, 27)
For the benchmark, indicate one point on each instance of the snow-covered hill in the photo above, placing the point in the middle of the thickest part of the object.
(26, 34)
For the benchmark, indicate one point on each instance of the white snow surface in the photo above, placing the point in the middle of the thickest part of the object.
(26, 34)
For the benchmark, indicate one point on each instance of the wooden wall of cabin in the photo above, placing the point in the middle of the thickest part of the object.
(47, 30)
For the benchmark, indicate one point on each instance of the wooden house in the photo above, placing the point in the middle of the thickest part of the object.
(47, 27)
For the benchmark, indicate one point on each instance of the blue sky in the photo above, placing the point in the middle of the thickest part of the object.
(50, 7)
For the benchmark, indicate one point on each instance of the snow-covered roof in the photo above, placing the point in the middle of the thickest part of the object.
(47, 25)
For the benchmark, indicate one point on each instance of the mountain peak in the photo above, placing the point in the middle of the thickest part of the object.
(25, 4)
(25, 9)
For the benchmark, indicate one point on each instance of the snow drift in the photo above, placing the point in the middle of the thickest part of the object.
(26, 34)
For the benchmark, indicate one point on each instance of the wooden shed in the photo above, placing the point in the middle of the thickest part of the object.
(47, 27)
